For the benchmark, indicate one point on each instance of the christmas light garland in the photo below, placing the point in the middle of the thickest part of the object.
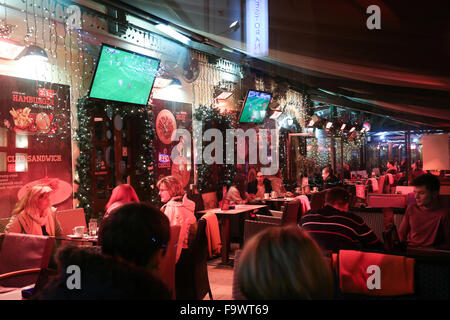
(145, 158)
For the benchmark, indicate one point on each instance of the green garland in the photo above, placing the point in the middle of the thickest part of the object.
(145, 162)
(212, 118)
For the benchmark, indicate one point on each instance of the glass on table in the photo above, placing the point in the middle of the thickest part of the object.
(93, 227)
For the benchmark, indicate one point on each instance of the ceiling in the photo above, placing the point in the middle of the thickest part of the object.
(401, 71)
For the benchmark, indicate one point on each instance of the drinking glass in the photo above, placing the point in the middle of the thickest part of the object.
(93, 227)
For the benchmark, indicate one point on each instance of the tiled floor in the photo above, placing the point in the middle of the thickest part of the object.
(220, 278)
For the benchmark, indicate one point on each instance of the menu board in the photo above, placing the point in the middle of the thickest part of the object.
(35, 141)
(170, 116)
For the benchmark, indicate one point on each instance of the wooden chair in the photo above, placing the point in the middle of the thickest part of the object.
(290, 215)
(20, 255)
(167, 265)
(69, 219)
(318, 199)
(210, 200)
(253, 227)
(191, 271)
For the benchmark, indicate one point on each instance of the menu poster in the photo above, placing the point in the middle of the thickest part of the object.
(170, 116)
(35, 141)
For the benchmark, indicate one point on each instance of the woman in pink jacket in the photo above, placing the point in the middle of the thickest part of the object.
(178, 208)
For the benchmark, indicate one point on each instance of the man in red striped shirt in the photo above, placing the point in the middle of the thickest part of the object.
(334, 228)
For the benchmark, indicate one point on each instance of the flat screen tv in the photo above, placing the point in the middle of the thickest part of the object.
(123, 76)
(255, 107)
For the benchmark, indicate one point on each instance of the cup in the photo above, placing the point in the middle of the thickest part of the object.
(78, 231)
(273, 194)
(93, 227)
(266, 195)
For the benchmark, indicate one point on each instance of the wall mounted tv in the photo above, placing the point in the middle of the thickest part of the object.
(123, 76)
(255, 106)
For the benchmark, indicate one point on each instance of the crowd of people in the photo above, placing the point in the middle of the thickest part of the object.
(279, 263)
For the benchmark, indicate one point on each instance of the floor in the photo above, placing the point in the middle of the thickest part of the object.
(221, 277)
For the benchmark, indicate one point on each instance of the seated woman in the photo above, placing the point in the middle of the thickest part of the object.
(123, 193)
(33, 214)
(236, 193)
(178, 208)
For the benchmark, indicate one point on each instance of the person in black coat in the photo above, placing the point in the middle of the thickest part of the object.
(259, 186)
(329, 179)
(133, 241)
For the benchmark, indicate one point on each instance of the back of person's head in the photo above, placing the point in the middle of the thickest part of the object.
(239, 183)
(123, 193)
(172, 184)
(430, 181)
(136, 232)
(337, 196)
(283, 263)
(418, 165)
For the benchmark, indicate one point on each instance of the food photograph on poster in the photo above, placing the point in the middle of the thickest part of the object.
(35, 139)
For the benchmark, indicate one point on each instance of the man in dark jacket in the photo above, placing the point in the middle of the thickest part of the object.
(258, 187)
(329, 179)
(133, 241)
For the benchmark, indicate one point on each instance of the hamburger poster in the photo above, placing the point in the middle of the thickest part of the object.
(35, 141)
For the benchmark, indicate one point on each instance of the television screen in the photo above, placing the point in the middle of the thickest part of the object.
(255, 106)
(123, 76)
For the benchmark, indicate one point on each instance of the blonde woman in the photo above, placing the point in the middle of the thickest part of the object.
(33, 214)
(284, 263)
(178, 208)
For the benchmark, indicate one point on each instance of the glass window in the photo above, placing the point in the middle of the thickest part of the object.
(3, 161)
(3, 137)
(21, 162)
(21, 141)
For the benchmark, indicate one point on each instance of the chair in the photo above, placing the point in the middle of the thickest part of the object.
(69, 219)
(191, 271)
(290, 214)
(318, 199)
(167, 265)
(375, 221)
(18, 270)
(253, 227)
(210, 200)
(236, 291)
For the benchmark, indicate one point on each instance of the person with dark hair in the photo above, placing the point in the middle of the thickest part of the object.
(329, 179)
(284, 263)
(236, 192)
(258, 187)
(426, 223)
(334, 228)
(391, 167)
(133, 242)
(416, 171)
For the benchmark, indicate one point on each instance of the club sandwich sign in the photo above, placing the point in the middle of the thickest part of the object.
(257, 27)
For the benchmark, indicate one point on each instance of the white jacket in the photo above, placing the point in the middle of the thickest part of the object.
(180, 212)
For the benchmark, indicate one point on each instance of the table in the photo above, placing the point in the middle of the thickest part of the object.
(77, 241)
(15, 294)
(224, 216)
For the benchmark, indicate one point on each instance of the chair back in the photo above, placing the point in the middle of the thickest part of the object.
(253, 227)
(375, 221)
(236, 293)
(191, 274)
(381, 184)
(167, 265)
(69, 219)
(210, 200)
(318, 199)
(291, 213)
(23, 251)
